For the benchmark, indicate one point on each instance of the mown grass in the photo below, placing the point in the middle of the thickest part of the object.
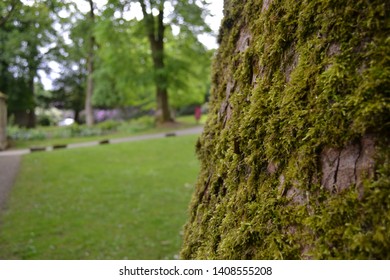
(123, 201)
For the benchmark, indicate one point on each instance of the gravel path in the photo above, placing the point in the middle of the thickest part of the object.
(9, 167)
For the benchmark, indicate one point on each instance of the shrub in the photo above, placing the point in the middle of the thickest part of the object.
(77, 130)
(17, 133)
(109, 125)
(44, 120)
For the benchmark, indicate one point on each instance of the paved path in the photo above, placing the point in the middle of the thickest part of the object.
(188, 131)
(10, 160)
(9, 167)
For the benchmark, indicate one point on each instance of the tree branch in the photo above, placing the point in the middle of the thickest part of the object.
(160, 23)
(149, 23)
(143, 7)
(92, 8)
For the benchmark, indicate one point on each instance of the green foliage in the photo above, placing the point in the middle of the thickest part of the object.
(123, 75)
(188, 81)
(109, 125)
(17, 133)
(27, 28)
(313, 74)
(165, 67)
(48, 136)
(123, 65)
(101, 203)
(44, 120)
(69, 87)
(77, 130)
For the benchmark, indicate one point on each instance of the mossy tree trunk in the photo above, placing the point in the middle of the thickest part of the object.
(295, 153)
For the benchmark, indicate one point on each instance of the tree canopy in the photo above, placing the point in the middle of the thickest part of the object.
(103, 57)
(27, 38)
(158, 18)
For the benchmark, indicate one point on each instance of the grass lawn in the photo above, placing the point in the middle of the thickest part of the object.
(123, 201)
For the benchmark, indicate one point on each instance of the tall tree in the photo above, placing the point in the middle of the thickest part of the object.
(124, 75)
(295, 154)
(26, 30)
(155, 30)
(76, 58)
(157, 15)
(70, 87)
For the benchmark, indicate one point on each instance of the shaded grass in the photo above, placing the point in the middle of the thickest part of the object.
(123, 201)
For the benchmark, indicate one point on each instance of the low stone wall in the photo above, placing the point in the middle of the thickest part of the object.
(3, 121)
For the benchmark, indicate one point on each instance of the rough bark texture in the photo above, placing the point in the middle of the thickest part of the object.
(295, 153)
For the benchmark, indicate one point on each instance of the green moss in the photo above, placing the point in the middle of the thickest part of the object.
(315, 74)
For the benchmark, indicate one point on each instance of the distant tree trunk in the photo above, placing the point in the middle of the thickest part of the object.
(31, 117)
(21, 118)
(89, 117)
(3, 73)
(156, 39)
(3, 121)
(295, 152)
(77, 116)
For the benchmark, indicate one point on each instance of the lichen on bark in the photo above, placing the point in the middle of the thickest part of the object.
(295, 153)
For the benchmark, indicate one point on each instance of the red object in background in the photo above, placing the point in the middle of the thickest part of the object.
(198, 113)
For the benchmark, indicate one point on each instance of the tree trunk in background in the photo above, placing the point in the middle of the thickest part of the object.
(3, 121)
(156, 39)
(31, 117)
(295, 152)
(163, 113)
(89, 117)
(77, 116)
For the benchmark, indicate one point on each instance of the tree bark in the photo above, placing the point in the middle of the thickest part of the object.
(295, 153)
(89, 116)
